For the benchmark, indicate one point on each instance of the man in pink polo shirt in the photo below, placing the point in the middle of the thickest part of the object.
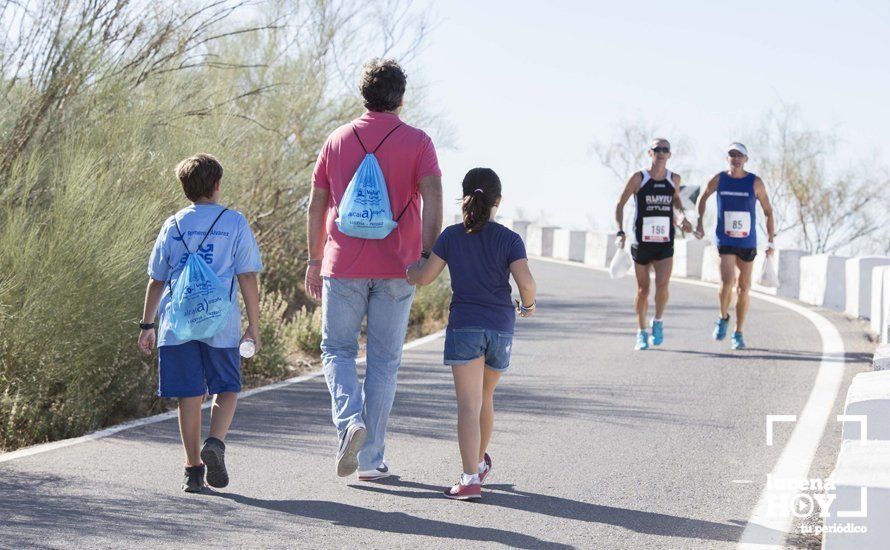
(357, 277)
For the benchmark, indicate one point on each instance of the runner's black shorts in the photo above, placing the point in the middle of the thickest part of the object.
(646, 253)
(744, 254)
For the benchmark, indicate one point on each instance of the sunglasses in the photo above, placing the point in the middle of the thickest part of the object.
(661, 149)
(735, 154)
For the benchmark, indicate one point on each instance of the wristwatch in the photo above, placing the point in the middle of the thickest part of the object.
(425, 255)
(620, 233)
(146, 326)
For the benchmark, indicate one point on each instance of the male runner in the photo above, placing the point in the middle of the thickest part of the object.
(737, 193)
(656, 194)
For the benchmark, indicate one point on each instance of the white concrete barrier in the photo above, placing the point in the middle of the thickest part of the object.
(519, 226)
(710, 266)
(788, 266)
(599, 247)
(879, 316)
(884, 335)
(688, 256)
(569, 244)
(862, 488)
(822, 281)
(539, 240)
(868, 396)
(881, 360)
(858, 277)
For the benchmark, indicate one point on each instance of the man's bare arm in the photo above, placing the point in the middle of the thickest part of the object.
(316, 235)
(431, 192)
(633, 184)
(760, 193)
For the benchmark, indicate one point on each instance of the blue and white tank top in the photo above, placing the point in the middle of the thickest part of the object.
(736, 213)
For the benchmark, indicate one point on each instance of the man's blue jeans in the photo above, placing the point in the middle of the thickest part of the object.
(345, 303)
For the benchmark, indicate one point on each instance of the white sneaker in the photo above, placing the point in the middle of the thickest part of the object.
(350, 444)
(379, 472)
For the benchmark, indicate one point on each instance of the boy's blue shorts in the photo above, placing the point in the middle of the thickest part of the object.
(462, 345)
(194, 368)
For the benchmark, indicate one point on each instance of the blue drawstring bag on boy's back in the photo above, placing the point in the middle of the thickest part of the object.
(200, 303)
(364, 210)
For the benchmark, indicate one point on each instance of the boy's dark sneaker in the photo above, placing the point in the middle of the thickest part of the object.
(350, 444)
(193, 482)
(214, 456)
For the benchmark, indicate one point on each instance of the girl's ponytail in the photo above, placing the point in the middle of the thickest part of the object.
(482, 190)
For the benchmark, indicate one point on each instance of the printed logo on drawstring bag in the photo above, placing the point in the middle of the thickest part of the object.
(364, 210)
(199, 302)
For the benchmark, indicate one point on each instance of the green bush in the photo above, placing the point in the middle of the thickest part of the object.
(88, 141)
(307, 330)
(429, 312)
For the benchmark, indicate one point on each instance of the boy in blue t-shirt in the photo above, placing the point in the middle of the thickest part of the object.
(189, 369)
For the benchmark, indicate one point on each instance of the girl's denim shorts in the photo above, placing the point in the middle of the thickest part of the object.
(462, 345)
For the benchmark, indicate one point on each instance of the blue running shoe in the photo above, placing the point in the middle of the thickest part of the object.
(657, 333)
(738, 342)
(642, 340)
(720, 329)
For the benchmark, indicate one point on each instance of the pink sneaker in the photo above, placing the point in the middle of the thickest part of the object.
(484, 473)
(464, 492)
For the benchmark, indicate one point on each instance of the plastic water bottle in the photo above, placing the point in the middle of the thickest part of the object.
(247, 348)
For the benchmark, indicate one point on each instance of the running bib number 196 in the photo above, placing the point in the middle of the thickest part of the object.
(656, 229)
(737, 224)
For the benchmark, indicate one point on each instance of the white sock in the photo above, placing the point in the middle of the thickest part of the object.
(467, 479)
(481, 466)
(656, 320)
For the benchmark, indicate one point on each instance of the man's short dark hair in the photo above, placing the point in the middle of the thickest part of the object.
(199, 175)
(383, 85)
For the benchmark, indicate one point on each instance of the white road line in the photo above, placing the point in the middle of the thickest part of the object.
(765, 529)
(46, 447)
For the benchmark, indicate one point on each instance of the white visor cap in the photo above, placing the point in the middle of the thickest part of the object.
(737, 147)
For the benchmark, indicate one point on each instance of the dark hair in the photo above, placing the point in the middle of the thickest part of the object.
(383, 84)
(199, 175)
(482, 189)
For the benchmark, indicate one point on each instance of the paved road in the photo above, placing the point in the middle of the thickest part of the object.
(596, 446)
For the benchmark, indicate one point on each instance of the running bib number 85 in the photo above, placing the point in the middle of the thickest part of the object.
(737, 224)
(656, 229)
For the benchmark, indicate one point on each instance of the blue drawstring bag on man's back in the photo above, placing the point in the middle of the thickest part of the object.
(364, 210)
(200, 303)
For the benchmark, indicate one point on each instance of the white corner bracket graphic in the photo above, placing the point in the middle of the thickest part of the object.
(862, 512)
(772, 419)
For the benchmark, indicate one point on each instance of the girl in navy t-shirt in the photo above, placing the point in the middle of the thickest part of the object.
(481, 255)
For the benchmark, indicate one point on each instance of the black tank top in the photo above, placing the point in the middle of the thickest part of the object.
(654, 218)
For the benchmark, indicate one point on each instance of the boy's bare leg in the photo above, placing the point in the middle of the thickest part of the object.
(486, 418)
(641, 302)
(190, 428)
(727, 282)
(468, 388)
(744, 286)
(221, 414)
(663, 269)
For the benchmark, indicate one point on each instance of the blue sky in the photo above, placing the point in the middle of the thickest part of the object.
(528, 86)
